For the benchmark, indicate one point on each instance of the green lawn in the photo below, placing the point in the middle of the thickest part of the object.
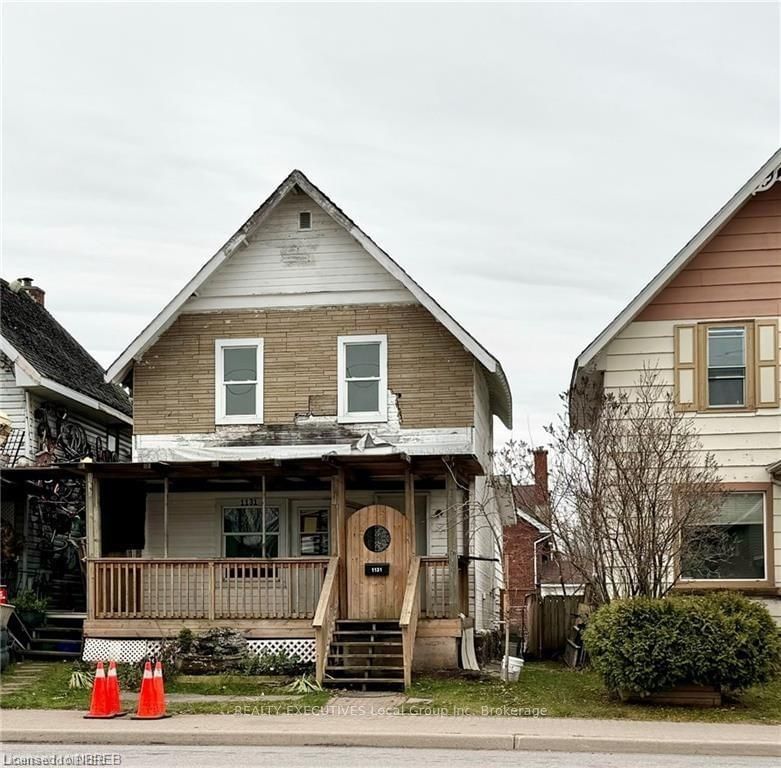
(562, 692)
(545, 689)
(51, 692)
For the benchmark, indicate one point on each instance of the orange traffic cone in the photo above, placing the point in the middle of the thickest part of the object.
(157, 681)
(112, 688)
(99, 704)
(151, 705)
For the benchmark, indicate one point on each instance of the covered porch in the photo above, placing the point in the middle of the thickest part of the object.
(265, 548)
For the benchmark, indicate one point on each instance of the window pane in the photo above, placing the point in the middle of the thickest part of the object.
(742, 508)
(314, 544)
(232, 519)
(314, 521)
(240, 363)
(272, 520)
(726, 391)
(362, 360)
(244, 546)
(240, 399)
(732, 548)
(363, 396)
(271, 548)
(726, 347)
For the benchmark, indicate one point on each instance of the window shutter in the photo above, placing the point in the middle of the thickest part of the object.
(685, 346)
(766, 362)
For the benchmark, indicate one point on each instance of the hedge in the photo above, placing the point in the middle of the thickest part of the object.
(643, 645)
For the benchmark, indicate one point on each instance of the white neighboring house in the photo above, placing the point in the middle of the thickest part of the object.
(709, 322)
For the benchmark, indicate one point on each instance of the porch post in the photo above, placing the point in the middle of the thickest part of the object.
(339, 522)
(409, 507)
(452, 543)
(165, 517)
(92, 509)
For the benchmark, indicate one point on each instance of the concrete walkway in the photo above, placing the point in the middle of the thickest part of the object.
(249, 726)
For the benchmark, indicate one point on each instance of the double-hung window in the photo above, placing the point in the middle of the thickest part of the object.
(732, 545)
(250, 531)
(239, 381)
(727, 365)
(363, 378)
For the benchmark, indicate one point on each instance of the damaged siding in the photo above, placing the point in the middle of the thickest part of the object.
(429, 372)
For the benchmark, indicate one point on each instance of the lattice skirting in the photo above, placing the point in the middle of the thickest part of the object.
(130, 651)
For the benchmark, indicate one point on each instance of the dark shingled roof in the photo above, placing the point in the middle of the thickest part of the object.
(53, 352)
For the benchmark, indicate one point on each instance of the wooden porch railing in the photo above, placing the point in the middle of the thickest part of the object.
(226, 588)
(325, 617)
(408, 621)
(435, 598)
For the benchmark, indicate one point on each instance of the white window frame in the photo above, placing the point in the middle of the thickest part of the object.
(220, 417)
(304, 229)
(345, 417)
(304, 506)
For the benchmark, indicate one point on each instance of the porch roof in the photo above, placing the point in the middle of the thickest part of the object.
(388, 465)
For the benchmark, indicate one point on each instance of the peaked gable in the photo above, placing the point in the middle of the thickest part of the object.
(35, 334)
(201, 288)
(705, 241)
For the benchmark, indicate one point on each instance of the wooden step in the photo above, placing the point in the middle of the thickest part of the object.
(365, 680)
(362, 632)
(30, 653)
(363, 667)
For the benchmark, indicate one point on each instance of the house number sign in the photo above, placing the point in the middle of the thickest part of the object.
(376, 569)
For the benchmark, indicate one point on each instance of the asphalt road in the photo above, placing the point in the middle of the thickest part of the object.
(355, 757)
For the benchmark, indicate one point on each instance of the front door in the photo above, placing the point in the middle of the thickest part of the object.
(378, 555)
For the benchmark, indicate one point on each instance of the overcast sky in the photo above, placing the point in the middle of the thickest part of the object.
(532, 166)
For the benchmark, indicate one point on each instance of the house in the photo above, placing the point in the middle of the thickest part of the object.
(533, 565)
(311, 459)
(709, 322)
(55, 409)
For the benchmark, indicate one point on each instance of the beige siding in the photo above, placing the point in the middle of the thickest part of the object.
(283, 266)
(483, 419)
(428, 369)
(743, 444)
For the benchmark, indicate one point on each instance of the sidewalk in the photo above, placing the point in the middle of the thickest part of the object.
(382, 730)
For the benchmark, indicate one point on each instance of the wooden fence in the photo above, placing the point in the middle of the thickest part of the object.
(549, 622)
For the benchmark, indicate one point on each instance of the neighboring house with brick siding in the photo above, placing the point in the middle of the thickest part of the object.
(310, 427)
(709, 323)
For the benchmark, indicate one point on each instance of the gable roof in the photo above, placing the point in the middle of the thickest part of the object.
(33, 332)
(764, 178)
(501, 399)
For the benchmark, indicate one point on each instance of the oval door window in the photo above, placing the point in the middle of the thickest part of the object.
(376, 538)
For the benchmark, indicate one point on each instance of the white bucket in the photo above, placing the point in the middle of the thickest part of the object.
(511, 668)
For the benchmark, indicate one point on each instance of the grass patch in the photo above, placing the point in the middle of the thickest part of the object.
(562, 692)
(50, 691)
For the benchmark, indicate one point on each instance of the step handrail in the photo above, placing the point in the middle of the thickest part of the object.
(326, 614)
(408, 621)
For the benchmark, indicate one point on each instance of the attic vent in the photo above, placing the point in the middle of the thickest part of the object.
(305, 220)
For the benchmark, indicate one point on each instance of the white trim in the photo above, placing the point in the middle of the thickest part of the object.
(27, 376)
(369, 417)
(676, 264)
(168, 314)
(220, 417)
(533, 521)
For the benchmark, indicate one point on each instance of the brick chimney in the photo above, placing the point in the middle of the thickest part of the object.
(541, 471)
(33, 291)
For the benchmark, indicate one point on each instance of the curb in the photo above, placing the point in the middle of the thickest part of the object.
(505, 742)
